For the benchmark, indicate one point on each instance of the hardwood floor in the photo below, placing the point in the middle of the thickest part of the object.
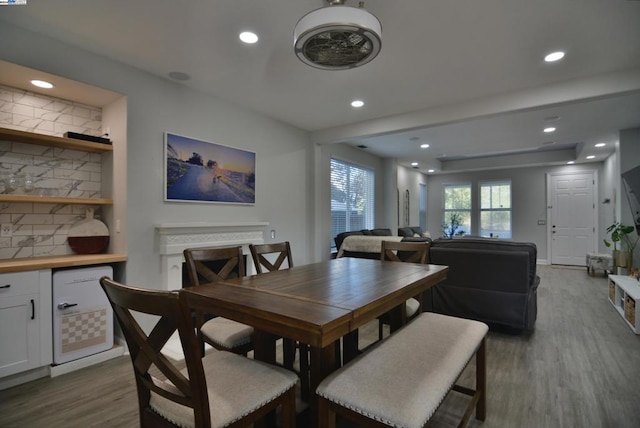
(579, 368)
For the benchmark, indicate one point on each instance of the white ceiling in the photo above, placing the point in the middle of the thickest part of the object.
(465, 76)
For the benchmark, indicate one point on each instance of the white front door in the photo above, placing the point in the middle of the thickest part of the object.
(573, 218)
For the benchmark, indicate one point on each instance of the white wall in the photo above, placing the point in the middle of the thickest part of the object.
(284, 154)
(608, 202)
(411, 179)
(528, 195)
(629, 159)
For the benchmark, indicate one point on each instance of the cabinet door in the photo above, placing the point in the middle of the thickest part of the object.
(19, 334)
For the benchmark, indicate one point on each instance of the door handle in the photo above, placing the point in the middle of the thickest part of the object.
(5, 286)
(33, 309)
(66, 305)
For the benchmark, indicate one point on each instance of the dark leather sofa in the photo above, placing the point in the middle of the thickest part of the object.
(489, 280)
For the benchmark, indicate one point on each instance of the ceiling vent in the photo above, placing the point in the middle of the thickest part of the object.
(337, 37)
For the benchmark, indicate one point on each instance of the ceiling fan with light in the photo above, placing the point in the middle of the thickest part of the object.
(337, 37)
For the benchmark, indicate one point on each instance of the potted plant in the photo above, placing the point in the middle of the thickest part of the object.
(624, 235)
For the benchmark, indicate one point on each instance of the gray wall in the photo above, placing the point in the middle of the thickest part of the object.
(528, 194)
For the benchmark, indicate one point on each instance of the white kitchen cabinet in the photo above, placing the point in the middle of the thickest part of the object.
(25, 321)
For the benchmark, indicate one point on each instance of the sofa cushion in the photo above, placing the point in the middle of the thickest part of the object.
(381, 232)
(410, 231)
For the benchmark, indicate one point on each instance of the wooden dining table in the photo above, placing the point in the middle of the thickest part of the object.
(317, 304)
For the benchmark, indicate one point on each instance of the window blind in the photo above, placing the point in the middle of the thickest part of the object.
(352, 198)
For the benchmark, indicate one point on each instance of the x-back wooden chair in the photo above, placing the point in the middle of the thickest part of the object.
(208, 266)
(281, 249)
(210, 391)
(407, 252)
(281, 252)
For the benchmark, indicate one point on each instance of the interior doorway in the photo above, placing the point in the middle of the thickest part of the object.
(572, 216)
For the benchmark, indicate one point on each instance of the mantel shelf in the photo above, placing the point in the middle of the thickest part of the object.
(52, 141)
(55, 200)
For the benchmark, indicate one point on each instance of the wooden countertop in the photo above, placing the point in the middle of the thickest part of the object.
(36, 263)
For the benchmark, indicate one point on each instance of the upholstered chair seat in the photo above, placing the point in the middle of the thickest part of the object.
(241, 387)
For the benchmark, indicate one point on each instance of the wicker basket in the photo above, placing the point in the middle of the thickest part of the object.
(630, 310)
(612, 291)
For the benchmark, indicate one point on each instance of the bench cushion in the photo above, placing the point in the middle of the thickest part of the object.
(402, 380)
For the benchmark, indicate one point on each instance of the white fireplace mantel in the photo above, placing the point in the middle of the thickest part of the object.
(174, 238)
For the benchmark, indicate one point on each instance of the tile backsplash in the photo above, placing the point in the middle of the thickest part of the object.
(41, 229)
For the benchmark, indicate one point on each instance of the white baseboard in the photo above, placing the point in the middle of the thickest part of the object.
(24, 377)
(90, 360)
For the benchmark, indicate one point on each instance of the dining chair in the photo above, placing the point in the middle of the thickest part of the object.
(407, 252)
(211, 391)
(280, 251)
(208, 266)
(272, 257)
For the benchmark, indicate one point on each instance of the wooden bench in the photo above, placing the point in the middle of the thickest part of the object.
(401, 381)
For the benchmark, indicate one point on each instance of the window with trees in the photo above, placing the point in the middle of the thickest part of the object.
(352, 198)
(457, 209)
(495, 209)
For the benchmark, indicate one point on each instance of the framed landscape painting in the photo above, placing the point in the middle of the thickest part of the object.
(200, 171)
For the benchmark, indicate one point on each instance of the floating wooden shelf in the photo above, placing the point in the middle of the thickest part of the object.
(35, 263)
(55, 200)
(49, 140)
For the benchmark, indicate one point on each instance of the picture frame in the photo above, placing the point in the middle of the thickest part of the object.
(201, 171)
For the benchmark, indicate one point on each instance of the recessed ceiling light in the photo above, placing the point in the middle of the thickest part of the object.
(554, 56)
(601, 144)
(551, 118)
(357, 103)
(248, 37)
(42, 84)
(570, 163)
(550, 129)
(431, 170)
(424, 146)
(591, 157)
(414, 164)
